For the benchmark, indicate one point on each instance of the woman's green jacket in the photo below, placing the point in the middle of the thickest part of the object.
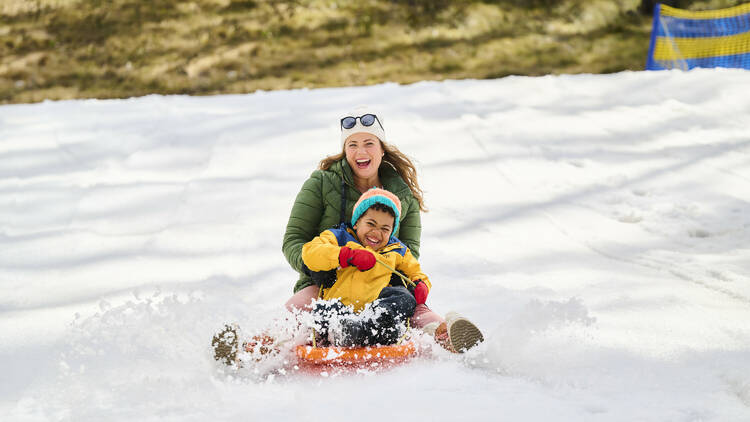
(318, 207)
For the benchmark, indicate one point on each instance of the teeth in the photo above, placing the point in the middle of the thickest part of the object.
(363, 161)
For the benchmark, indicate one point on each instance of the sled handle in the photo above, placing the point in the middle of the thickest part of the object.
(404, 278)
(320, 295)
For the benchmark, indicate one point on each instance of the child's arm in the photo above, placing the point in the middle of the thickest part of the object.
(410, 267)
(324, 253)
(321, 253)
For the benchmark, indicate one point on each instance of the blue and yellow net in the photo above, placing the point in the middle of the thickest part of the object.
(683, 39)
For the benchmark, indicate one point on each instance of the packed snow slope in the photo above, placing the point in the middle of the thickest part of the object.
(597, 228)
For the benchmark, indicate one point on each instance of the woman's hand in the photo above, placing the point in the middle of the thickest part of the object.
(360, 258)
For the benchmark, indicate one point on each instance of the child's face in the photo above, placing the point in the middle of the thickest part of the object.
(374, 228)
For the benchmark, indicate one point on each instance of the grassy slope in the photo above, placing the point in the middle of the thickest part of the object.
(59, 49)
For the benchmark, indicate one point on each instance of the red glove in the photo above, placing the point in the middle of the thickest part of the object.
(420, 292)
(360, 258)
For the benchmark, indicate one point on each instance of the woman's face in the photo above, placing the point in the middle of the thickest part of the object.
(364, 154)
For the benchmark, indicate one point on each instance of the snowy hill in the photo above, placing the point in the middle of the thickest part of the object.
(596, 227)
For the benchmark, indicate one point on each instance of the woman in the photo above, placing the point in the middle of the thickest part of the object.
(366, 161)
(327, 198)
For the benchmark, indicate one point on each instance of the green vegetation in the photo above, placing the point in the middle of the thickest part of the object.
(61, 49)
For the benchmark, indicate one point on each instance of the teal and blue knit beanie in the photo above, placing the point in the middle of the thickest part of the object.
(377, 196)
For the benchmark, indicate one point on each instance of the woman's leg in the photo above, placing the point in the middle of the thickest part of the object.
(424, 315)
(431, 323)
(303, 299)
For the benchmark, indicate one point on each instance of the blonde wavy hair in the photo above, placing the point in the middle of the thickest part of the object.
(396, 159)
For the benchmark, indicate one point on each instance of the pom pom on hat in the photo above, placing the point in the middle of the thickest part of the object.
(375, 129)
(377, 196)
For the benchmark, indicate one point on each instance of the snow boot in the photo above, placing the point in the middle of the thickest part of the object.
(457, 334)
(439, 331)
(261, 345)
(326, 314)
(462, 333)
(226, 344)
(347, 332)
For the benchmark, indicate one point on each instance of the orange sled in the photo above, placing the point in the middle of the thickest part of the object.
(355, 356)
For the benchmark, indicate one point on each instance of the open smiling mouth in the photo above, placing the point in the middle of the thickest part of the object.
(363, 163)
(371, 241)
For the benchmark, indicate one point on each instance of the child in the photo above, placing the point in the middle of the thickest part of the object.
(362, 255)
(366, 301)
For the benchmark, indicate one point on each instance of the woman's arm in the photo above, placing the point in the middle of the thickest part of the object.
(410, 230)
(303, 220)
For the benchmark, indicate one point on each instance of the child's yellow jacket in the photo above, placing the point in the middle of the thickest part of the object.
(355, 287)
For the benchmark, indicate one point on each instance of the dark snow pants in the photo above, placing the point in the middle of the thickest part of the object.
(383, 323)
(398, 305)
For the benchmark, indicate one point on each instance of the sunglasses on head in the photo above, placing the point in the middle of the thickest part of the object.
(366, 120)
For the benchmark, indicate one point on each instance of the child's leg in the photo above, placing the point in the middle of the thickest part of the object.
(397, 301)
(399, 306)
(303, 299)
(327, 313)
(379, 323)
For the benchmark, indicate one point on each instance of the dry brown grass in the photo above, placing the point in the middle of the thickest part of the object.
(61, 49)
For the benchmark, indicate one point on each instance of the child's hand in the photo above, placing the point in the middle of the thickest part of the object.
(360, 258)
(420, 291)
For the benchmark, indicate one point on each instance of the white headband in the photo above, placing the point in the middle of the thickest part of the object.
(375, 129)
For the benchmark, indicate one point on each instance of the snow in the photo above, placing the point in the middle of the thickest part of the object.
(597, 228)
